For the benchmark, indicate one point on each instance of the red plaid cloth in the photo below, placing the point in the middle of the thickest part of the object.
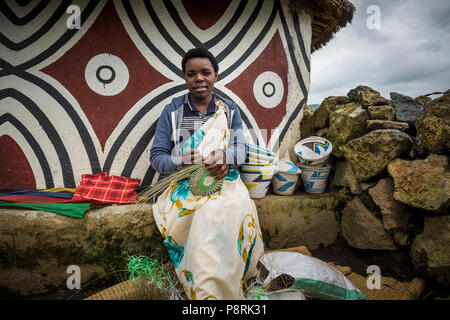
(101, 188)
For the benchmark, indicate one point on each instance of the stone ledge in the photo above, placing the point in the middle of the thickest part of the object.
(298, 220)
(37, 247)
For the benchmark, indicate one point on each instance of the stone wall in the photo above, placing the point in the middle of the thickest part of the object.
(391, 172)
(38, 247)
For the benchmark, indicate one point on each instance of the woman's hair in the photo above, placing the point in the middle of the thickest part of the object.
(199, 53)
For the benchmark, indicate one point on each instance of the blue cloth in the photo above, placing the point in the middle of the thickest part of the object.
(39, 193)
(164, 153)
(232, 175)
(176, 252)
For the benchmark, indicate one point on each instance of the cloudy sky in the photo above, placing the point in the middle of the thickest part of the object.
(409, 53)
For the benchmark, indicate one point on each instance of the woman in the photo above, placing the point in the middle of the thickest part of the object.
(214, 241)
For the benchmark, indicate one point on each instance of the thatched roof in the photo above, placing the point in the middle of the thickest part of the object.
(328, 17)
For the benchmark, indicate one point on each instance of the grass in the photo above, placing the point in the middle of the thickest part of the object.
(153, 191)
(152, 278)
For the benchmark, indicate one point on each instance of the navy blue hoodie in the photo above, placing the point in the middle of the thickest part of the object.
(164, 153)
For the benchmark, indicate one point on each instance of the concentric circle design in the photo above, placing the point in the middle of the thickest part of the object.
(269, 92)
(106, 74)
(268, 89)
(202, 184)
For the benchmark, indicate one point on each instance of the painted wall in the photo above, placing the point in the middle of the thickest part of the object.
(86, 100)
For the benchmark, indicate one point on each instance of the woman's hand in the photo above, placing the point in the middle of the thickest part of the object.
(217, 164)
(190, 157)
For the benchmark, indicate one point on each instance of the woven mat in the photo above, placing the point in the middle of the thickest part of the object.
(131, 290)
(128, 290)
(121, 291)
(390, 288)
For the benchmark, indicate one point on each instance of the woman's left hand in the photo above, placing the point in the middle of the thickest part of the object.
(217, 164)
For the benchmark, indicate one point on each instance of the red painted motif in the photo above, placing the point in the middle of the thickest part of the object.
(15, 171)
(205, 13)
(106, 35)
(274, 59)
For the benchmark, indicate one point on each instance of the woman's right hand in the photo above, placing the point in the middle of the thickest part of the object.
(216, 162)
(190, 157)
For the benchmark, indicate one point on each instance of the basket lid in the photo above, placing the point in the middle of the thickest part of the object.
(313, 148)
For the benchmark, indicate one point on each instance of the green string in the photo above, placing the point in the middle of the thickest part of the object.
(143, 266)
(151, 269)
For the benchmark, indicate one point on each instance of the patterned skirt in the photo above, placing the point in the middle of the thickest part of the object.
(213, 241)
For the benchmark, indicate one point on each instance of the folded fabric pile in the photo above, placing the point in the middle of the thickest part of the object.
(94, 189)
(57, 200)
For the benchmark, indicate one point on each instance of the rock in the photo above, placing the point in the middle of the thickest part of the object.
(344, 176)
(353, 94)
(362, 230)
(300, 219)
(418, 150)
(37, 247)
(306, 125)
(386, 112)
(343, 195)
(396, 215)
(321, 114)
(433, 126)
(366, 96)
(423, 184)
(439, 106)
(385, 124)
(402, 239)
(367, 185)
(324, 132)
(406, 108)
(423, 99)
(347, 122)
(370, 154)
(430, 251)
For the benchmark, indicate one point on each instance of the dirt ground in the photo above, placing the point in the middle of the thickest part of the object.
(395, 264)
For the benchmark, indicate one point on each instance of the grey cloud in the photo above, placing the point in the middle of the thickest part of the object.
(409, 54)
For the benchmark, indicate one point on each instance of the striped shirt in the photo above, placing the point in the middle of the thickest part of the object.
(193, 119)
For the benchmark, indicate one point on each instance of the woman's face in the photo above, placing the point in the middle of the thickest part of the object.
(200, 77)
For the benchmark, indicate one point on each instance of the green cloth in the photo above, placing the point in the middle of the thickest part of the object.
(76, 210)
(327, 291)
